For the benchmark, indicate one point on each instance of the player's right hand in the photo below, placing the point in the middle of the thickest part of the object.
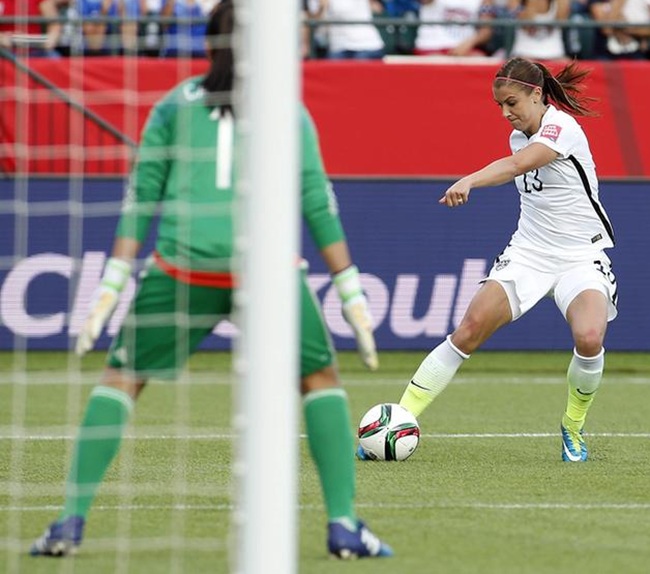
(358, 316)
(457, 194)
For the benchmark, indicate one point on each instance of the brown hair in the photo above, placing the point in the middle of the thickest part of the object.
(218, 82)
(564, 88)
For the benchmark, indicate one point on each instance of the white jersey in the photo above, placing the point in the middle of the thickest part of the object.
(355, 37)
(449, 35)
(636, 11)
(540, 42)
(561, 215)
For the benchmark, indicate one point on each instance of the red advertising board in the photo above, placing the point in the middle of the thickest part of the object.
(374, 118)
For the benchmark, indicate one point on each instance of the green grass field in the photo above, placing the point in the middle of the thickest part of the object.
(486, 491)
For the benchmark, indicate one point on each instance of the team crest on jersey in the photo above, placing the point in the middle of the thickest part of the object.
(501, 264)
(551, 132)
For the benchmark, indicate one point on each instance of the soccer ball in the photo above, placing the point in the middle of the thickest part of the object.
(389, 432)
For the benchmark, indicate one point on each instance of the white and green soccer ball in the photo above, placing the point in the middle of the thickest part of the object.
(388, 431)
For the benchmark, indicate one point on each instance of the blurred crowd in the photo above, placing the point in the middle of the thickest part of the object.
(156, 28)
(452, 28)
(589, 29)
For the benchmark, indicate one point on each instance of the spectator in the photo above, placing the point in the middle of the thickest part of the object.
(398, 39)
(453, 38)
(150, 31)
(117, 34)
(129, 12)
(40, 40)
(634, 12)
(96, 32)
(579, 41)
(184, 38)
(500, 43)
(355, 41)
(621, 43)
(314, 40)
(70, 40)
(600, 10)
(398, 8)
(539, 42)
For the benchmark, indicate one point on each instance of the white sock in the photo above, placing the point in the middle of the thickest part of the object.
(585, 373)
(439, 368)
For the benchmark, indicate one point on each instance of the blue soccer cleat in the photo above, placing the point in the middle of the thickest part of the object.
(362, 543)
(62, 538)
(574, 448)
(362, 454)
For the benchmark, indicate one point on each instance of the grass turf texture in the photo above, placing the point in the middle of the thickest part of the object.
(485, 491)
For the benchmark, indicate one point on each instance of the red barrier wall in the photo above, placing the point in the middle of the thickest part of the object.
(441, 119)
(374, 118)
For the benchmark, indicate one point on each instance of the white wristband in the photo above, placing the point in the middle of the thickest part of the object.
(116, 274)
(348, 283)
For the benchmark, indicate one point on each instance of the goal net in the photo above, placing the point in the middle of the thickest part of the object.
(189, 490)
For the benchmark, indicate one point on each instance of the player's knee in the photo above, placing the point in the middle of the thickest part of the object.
(326, 378)
(589, 342)
(123, 381)
(469, 334)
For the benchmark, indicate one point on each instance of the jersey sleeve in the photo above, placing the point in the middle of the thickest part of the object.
(146, 184)
(319, 205)
(560, 133)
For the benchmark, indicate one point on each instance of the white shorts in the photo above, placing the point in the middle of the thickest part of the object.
(528, 278)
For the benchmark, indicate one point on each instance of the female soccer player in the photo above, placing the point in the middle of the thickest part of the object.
(558, 249)
(190, 276)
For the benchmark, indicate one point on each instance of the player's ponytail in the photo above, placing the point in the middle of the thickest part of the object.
(218, 82)
(564, 88)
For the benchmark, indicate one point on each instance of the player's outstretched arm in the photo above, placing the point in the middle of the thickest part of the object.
(105, 298)
(501, 171)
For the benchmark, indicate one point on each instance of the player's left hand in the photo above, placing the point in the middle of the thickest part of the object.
(357, 314)
(103, 303)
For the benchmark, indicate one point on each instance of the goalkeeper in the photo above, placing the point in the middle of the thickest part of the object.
(187, 288)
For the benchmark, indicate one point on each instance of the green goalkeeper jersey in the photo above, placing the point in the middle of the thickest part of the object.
(181, 171)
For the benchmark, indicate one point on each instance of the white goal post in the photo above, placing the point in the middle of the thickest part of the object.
(268, 243)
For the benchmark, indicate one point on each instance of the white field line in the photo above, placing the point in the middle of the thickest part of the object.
(389, 506)
(7, 434)
(74, 377)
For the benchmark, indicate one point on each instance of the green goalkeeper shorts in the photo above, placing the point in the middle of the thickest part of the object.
(168, 320)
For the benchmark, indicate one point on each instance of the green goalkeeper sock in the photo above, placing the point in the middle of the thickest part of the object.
(98, 441)
(332, 447)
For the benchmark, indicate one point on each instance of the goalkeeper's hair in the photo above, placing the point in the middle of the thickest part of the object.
(218, 82)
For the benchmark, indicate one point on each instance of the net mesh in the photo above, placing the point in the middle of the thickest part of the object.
(69, 135)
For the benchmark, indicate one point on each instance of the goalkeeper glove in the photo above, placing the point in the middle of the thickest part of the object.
(357, 314)
(103, 303)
